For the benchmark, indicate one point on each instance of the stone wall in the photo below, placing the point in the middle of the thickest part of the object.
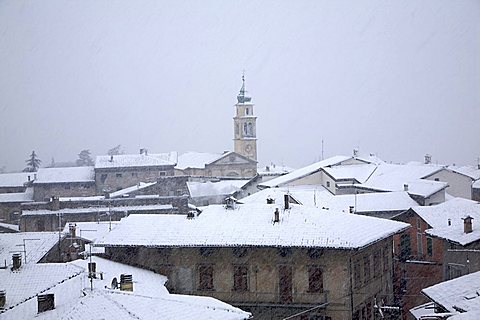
(346, 294)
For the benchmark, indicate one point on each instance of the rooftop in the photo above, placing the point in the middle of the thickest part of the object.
(454, 210)
(470, 171)
(318, 196)
(16, 179)
(99, 210)
(457, 295)
(303, 172)
(26, 196)
(359, 172)
(252, 225)
(208, 188)
(37, 244)
(66, 174)
(196, 160)
(136, 160)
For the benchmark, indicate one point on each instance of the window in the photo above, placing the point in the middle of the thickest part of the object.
(246, 111)
(134, 174)
(240, 278)
(376, 264)
(437, 179)
(315, 279)
(386, 255)
(162, 173)
(419, 244)
(205, 277)
(356, 274)
(118, 175)
(404, 247)
(328, 184)
(419, 224)
(429, 246)
(366, 268)
(103, 177)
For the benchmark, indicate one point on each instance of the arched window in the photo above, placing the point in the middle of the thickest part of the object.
(246, 111)
(245, 129)
(250, 129)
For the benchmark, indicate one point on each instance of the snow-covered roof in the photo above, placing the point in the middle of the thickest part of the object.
(92, 230)
(318, 196)
(13, 227)
(16, 179)
(303, 172)
(37, 244)
(126, 191)
(196, 160)
(437, 217)
(470, 171)
(476, 184)
(457, 295)
(88, 198)
(425, 188)
(66, 174)
(392, 177)
(359, 172)
(252, 225)
(100, 210)
(208, 188)
(26, 196)
(149, 299)
(274, 169)
(33, 279)
(136, 160)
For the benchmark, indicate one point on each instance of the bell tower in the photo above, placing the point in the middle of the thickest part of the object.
(245, 125)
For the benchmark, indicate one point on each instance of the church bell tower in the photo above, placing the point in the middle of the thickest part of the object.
(245, 125)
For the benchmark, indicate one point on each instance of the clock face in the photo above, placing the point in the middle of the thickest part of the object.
(248, 148)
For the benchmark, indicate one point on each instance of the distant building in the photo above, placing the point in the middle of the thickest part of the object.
(116, 172)
(226, 165)
(64, 182)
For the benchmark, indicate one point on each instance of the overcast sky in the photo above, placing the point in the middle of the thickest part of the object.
(395, 78)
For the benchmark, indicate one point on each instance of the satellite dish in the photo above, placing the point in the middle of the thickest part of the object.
(114, 283)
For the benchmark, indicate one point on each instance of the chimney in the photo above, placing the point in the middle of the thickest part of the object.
(111, 158)
(286, 201)
(72, 228)
(55, 203)
(92, 270)
(3, 299)
(276, 216)
(126, 282)
(428, 159)
(405, 187)
(46, 302)
(351, 209)
(449, 222)
(270, 200)
(16, 261)
(467, 224)
(355, 152)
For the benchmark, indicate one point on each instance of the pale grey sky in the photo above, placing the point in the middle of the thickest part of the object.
(396, 78)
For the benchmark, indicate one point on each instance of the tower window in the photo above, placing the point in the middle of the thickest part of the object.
(246, 111)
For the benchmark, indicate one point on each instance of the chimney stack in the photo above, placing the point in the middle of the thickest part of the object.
(72, 228)
(270, 200)
(92, 270)
(467, 224)
(286, 200)
(276, 216)
(111, 158)
(428, 159)
(126, 282)
(3, 299)
(405, 187)
(355, 152)
(351, 209)
(55, 203)
(46, 302)
(449, 222)
(16, 261)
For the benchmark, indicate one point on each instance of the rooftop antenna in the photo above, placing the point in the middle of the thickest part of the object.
(322, 149)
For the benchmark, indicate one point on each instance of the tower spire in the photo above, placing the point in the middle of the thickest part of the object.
(242, 98)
